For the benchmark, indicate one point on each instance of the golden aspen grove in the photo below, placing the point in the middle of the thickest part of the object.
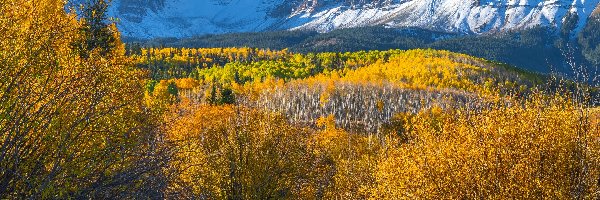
(85, 116)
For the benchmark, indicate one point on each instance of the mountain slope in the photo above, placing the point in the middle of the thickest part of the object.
(589, 38)
(455, 16)
(533, 49)
(181, 18)
(178, 18)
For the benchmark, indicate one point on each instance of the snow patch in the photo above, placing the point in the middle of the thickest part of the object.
(182, 18)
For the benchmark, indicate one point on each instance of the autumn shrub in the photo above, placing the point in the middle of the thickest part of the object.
(539, 148)
(72, 119)
(352, 160)
(231, 152)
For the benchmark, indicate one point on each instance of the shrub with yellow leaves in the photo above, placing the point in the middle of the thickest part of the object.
(72, 118)
(230, 152)
(536, 149)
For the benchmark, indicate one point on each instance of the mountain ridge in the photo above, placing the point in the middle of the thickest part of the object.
(184, 18)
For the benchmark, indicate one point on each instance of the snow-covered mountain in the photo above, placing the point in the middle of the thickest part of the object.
(181, 18)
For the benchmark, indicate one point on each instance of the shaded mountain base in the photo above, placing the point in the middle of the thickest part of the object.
(537, 49)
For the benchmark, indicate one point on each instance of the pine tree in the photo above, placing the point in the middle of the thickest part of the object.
(98, 33)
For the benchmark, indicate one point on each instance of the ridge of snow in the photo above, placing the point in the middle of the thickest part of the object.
(182, 18)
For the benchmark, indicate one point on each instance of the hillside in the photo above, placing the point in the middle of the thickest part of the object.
(307, 86)
(364, 123)
(521, 49)
(589, 38)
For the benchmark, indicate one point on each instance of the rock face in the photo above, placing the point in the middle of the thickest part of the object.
(180, 18)
(135, 10)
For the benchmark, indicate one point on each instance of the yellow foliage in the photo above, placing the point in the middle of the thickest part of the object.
(540, 150)
(353, 157)
(186, 83)
(420, 69)
(68, 122)
(233, 152)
